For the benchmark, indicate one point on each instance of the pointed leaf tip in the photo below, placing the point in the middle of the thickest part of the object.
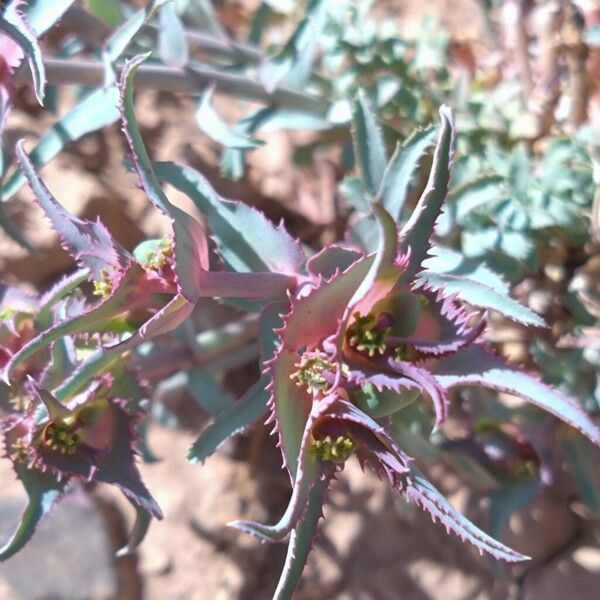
(419, 228)
(42, 489)
(191, 244)
(369, 144)
(476, 366)
(15, 26)
(423, 493)
(88, 242)
(56, 409)
(138, 533)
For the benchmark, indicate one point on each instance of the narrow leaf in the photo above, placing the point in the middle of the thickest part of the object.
(478, 294)
(301, 540)
(369, 145)
(292, 66)
(90, 320)
(118, 42)
(42, 489)
(94, 112)
(138, 533)
(248, 241)
(231, 421)
(417, 232)
(90, 244)
(191, 245)
(475, 366)
(306, 474)
(400, 170)
(423, 493)
(44, 14)
(217, 129)
(172, 43)
(13, 24)
(383, 273)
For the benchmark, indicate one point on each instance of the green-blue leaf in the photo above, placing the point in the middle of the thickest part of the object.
(369, 145)
(475, 366)
(400, 170)
(218, 130)
(95, 111)
(231, 421)
(248, 241)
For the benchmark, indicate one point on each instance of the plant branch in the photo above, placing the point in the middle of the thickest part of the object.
(95, 30)
(192, 80)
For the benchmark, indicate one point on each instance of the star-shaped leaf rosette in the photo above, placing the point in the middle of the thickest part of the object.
(88, 439)
(156, 288)
(367, 340)
(349, 336)
(67, 343)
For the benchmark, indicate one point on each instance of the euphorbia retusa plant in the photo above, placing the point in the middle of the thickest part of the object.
(360, 346)
(350, 338)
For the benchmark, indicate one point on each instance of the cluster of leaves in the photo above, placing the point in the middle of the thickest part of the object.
(353, 338)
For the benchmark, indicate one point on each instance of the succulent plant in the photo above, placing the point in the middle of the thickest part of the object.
(354, 339)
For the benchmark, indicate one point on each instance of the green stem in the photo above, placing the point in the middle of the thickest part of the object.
(215, 348)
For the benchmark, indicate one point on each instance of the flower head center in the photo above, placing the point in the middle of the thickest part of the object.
(164, 253)
(103, 287)
(366, 334)
(337, 449)
(311, 371)
(61, 437)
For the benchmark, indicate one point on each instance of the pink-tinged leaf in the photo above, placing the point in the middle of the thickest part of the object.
(191, 244)
(226, 284)
(90, 244)
(384, 271)
(428, 384)
(300, 543)
(307, 472)
(124, 298)
(290, 407)
(11, 56)
(416, 234)
(380, 394)
(315, 316)
(118, 467)
(374, 444)
(103, 450)
(169, 317)
(14, 25)
(445, 346)
(312, 318)
(442, 328)
(60, 290)
(424, 494)
(478, 366)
